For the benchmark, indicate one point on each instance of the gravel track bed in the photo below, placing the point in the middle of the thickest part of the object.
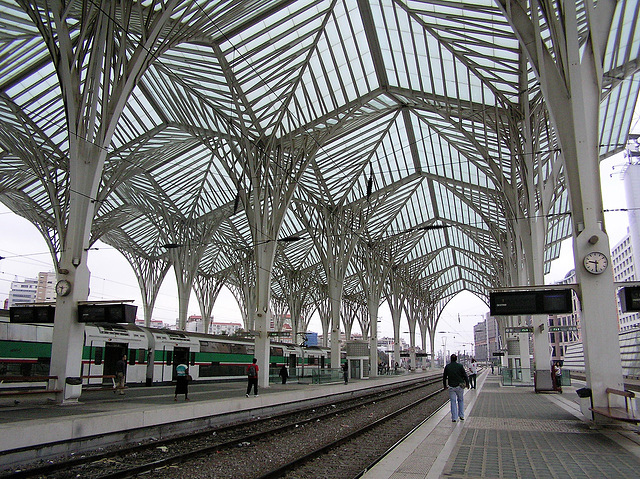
(251, 460)
(154, 450)
(351, 458)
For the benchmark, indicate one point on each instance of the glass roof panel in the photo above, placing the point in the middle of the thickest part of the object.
(410, 114)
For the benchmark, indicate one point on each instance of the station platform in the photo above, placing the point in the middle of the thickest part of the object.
(512, 432)
(64, 429)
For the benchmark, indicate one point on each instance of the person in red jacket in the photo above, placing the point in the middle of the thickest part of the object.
(252, 375)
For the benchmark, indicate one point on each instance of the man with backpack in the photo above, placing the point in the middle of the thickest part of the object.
(252, 374)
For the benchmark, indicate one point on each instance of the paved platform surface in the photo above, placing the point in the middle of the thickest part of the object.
(512, 432)
(35, 422)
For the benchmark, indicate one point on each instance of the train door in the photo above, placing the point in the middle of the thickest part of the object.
(180, 356)
(293, 364)
(112, 353)
(355, 368)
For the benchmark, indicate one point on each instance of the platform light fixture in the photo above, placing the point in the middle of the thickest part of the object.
(172, 245)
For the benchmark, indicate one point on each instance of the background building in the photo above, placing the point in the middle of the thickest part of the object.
(481, 339)
(23, 291)
(46, 290)
(623, 253)
(196, 324)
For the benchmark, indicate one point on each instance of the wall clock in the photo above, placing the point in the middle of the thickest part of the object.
(595, 262)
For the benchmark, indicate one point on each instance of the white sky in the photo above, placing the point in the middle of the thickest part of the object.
(112, 278)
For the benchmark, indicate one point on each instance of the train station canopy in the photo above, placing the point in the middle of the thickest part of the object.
(416, 130)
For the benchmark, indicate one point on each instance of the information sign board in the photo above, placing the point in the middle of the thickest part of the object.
(629, 299)
(519, 329)
(32, 314)
(514, 303)
(556, 329)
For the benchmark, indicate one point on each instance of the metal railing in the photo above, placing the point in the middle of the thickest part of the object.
(524, 377)
(516, 377)
(323, 376)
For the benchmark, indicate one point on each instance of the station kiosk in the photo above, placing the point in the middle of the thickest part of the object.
(358, 359)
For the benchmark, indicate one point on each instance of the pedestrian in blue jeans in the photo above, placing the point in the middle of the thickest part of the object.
(455, 379)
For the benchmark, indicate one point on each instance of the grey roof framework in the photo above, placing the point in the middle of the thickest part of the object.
(407, 116)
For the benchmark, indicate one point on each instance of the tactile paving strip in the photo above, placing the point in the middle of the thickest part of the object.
(523, 436)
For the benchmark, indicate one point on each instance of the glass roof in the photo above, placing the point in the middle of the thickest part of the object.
(403, 119)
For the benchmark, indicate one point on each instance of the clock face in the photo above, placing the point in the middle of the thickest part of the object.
(595, 262)
(63, 287)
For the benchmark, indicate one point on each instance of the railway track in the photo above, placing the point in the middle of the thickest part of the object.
(181, 450)
(351, 456)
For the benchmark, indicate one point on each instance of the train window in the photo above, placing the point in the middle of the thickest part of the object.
(221, 348)
(275, 351)
(25, 369)
(141, 353)
(97, 358)
(239, 349)
(169, 357)
(193, 359)
(42, 367)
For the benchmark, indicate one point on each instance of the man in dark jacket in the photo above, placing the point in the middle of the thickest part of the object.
(252, 374)
(456, 377)
(121, 373)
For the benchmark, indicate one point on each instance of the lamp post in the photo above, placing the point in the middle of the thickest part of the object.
(303, 343)
(486, 327)
(444, 346)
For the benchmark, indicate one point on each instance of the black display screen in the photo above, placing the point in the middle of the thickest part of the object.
(32, 314)
(513, 303)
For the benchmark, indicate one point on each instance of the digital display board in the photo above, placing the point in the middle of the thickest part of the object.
(629, 298)
(32, 314)
(513, 303)
(107, 313)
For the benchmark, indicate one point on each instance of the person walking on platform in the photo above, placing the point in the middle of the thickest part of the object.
(121, 373)
(556, 376)
(345, 372)
(473, 373)
(455, 376)
(182, 381)
(284, 374)
(252, 375)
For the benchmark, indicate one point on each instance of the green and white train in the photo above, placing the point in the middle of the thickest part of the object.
(152, 354)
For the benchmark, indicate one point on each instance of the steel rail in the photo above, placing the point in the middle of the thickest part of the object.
(280, 471)
(50, 468)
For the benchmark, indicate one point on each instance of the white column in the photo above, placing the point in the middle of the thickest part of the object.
(541, 348)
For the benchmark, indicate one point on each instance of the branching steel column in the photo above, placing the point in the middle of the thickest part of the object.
(571, 81)
(324, 311)
(376, 261)
(242, 283)
(413, 307)
(207, 288)
(297, 287)
(97, 71)
(150, 273)
(396, 296)
(270, 175)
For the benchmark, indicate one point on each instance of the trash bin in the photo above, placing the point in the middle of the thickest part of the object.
(585, 402)
(72, 388)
